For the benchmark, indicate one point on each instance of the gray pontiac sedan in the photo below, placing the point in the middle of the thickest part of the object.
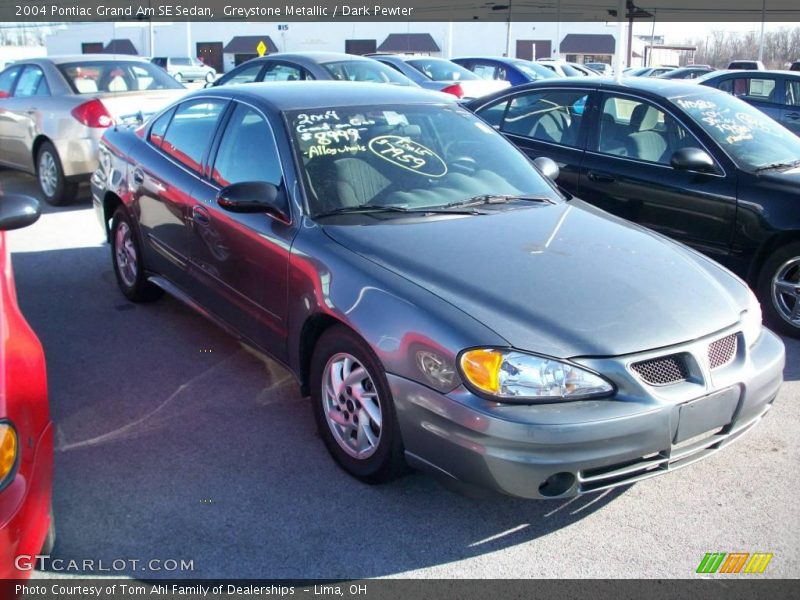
(442, 303)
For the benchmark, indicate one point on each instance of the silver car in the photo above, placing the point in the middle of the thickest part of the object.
(185, 68)
(54, 110)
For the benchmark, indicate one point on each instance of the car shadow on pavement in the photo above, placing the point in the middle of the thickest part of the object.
(173, 442)
(18, 182)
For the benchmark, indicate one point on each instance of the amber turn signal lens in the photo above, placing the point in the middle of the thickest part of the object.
(482, 369)
(8, 450)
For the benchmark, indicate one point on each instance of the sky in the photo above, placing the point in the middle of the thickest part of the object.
(677, 32)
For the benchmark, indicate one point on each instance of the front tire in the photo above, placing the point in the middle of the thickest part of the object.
(54, 186)
(779, 289)
(210, 77)
(178, 77)
(126, 256)
(353, 407)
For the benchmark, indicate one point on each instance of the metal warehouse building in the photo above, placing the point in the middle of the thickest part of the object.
(226, 44)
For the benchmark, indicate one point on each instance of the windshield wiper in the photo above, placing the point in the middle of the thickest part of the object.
(498, 199)
(778, 165)
(370, 208)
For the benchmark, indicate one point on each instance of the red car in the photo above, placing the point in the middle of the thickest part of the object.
(26, 435)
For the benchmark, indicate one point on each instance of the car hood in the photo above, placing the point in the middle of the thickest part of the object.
(790, 178)
(564, 280)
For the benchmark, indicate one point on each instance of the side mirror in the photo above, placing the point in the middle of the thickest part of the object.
(255, 197)
(692, 159)
(17, 211)
(548, 167)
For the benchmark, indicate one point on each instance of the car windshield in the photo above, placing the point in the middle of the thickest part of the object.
(91, 77)
(438, 69)
(365, 70)
(752, 139)
(636, 72)
(533, 70)
(409, 156)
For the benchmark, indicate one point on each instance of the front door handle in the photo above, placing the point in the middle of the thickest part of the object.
(600, 177)
(138, 176)
(201, 216)
(793, 116)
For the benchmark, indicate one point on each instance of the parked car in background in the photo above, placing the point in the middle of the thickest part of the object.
(442, 75)
(748, 65)
(601, 67)
(795, 66)
(775, 93)
(689, 72)
(515, 71)
(648, 72)
(54, 110)
(562, 67)
(185, 68)
(584, 70)
(307, 66)
(27, 526)
(691, 162)
(354, 233)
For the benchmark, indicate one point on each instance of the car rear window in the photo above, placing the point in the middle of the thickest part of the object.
(365, 70)
(91, 77)
(437, 69)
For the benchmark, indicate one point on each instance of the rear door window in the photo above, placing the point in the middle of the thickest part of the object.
(31, 83)
(190, 131)
(553, 116)
(7, 79)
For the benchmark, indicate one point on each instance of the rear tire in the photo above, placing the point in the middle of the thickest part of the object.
(126, 256)
(210, 77)
(55, 188)
(779, 289)
(358, 424)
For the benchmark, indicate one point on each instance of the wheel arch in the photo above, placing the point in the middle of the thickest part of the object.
(111, 202)
(37, 143)
(766, 249)
(313, 328)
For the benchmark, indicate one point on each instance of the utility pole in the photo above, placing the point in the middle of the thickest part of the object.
(761, 39)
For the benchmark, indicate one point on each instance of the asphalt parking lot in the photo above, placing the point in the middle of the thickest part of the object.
(174, 442)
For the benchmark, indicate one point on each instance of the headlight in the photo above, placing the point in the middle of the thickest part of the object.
(751, 320)
(8, 451)
(507, 374)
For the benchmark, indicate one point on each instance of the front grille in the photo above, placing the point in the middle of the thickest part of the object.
(662, 370)
(722, 351)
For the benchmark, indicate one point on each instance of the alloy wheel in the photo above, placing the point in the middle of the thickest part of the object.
(48, 174)
(125, 254)
(351, 406)
(786, 291)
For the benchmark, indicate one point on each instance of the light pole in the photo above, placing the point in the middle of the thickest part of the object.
(508, 24)
(761, 39)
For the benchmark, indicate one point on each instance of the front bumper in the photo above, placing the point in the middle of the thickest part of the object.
(25, 511)
(565, 449)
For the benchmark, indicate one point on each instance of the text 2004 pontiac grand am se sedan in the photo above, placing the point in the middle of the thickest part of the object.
(440, 301)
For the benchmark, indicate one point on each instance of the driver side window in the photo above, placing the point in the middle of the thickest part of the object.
(247, 151)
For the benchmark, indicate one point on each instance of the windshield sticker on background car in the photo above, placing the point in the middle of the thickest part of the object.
(736, 129)
(407, 154)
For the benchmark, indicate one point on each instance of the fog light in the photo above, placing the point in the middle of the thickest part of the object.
(8, 451)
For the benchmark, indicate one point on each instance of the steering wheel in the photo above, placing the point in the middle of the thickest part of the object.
(467, 164)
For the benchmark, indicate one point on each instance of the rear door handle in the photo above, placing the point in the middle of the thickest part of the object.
(600, 177)
(201, 215)
(793, 116)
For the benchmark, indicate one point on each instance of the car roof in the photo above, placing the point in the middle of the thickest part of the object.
(312, 95)
(403, 57)
(653, 86)
(312, 57)
(70, 58)
(756, 72)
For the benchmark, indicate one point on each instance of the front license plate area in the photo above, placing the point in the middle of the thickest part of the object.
(706, 414)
